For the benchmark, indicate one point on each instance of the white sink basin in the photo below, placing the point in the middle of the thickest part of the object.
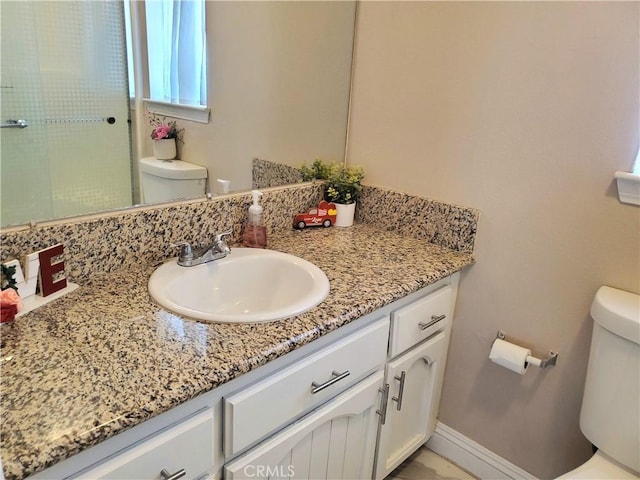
(248, 285)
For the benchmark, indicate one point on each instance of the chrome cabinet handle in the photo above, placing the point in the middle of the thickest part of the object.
(385, 400)
(336, 377)
(172, 476)
(398, 399)
(434, 319)
(15, 124)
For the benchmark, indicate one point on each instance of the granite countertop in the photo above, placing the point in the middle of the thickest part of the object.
(106, 357)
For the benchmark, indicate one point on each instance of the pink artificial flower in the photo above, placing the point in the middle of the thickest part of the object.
(10, 304)
(161, 131)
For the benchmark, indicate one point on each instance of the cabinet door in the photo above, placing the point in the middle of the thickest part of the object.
(335, 441)
(415, 381)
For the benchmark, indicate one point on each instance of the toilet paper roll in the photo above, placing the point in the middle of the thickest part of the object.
(508, 355)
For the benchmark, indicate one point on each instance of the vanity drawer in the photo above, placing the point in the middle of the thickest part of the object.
(187, 446)
(419, 320)
(253, 413)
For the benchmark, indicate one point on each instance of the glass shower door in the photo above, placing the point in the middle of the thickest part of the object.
(63, 70)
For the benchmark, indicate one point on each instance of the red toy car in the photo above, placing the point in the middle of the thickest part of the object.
(323, 215)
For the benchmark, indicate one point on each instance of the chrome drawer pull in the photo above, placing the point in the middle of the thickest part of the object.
(316, 387)
(172, 476)
(434, 319)
(398, 399)
(383, 407)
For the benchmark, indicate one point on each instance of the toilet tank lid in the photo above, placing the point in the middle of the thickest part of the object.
(618, 311)
(174, 169)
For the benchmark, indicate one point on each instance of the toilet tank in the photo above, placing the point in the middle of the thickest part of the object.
(610, 414)
(166, 180)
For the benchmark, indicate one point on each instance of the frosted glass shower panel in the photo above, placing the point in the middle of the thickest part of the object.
(83, 94)
(24, 161)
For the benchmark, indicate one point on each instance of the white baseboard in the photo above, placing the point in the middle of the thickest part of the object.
(473, 457)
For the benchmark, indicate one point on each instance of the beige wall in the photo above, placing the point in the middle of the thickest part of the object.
(523, 110)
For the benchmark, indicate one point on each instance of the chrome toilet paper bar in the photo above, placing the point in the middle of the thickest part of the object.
(549, 361)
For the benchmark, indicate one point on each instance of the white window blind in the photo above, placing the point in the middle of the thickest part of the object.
(176, 49)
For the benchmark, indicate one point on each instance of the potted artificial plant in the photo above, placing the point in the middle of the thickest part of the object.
(164, 135)
(343, 186)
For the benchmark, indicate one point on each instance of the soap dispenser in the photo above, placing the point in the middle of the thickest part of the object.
(255, 231)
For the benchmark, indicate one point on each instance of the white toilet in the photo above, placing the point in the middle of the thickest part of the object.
(166, 180)
(610, 414)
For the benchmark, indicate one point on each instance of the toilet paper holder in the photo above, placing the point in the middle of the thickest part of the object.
(549, 361)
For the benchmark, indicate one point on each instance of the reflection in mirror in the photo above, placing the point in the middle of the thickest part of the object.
(278, 90)
(272, 174)
(63, 70)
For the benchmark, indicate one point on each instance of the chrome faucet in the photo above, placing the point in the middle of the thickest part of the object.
(190, 256)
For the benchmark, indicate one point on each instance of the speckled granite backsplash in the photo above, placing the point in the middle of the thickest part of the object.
(447, 225)
(271, 174)
(143, 236)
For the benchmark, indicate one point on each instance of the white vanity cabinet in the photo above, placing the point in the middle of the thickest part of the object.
(413, 377)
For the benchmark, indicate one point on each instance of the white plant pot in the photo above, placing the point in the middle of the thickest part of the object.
(345, 214)
(164, 149)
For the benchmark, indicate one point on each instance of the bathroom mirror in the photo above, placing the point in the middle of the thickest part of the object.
(278, 90)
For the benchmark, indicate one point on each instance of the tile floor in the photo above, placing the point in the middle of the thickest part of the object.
(426, 465)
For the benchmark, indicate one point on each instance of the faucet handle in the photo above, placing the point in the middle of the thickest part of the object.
(221, 244)
(186, 252)
(223, 234)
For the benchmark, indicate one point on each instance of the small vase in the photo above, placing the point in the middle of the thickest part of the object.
(345, 214)
(164, 149)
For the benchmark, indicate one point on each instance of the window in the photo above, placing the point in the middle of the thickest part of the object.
(629, 183)
(177, 52)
